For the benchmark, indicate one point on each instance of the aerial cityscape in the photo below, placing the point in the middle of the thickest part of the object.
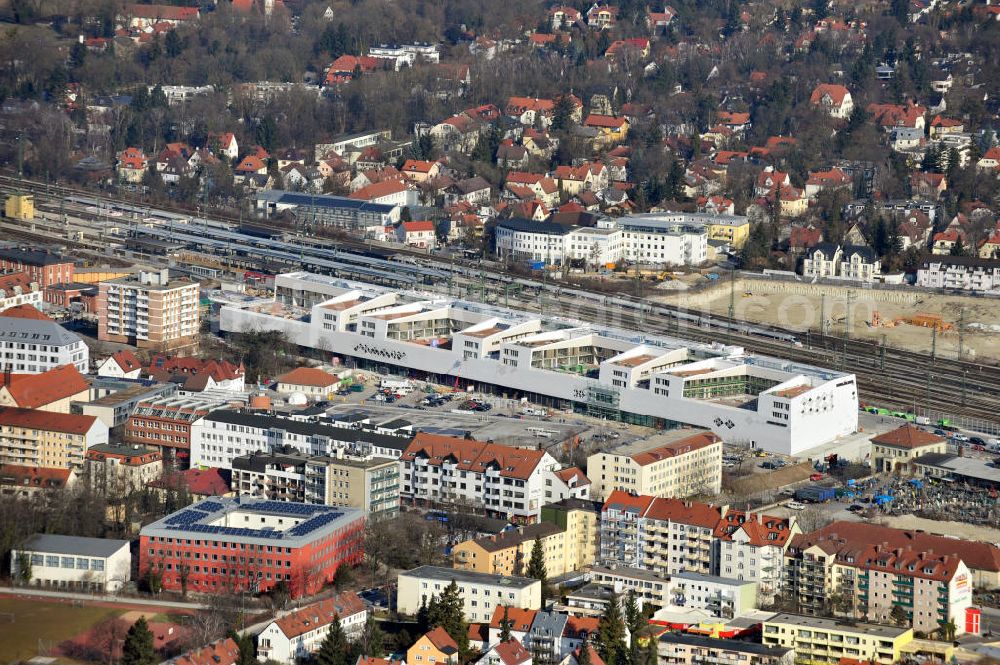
(459, 332)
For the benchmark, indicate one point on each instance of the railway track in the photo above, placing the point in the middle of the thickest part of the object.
(887, 376)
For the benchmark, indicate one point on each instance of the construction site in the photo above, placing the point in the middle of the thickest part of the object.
(901, 316)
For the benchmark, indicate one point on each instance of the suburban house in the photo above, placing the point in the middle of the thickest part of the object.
(299, 633)
(834, 99)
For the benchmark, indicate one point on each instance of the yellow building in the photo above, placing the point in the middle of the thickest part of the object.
(581, 519)
(610, 129)
(20, 206)
(680, 468)
(41, 439)
(733, 230)
(818, 640)
(895, 450)
(436, 646)
(508, 553)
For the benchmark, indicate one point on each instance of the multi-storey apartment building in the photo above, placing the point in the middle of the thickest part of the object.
(778, 406)
(960, 272)
(299, 633)
(852, 574)
(18, 289)
(751, 546)
(369, 484)
(109, 467)
(31, 343)
(581, 519)
(509, 552)
(684, 467)
(666, 536)
(43, 439)
(675, 648)
(251, 544)
(149, 310)
(821, 640)
(225, 434)
(508, 482)
(481, 593)
(166, 424)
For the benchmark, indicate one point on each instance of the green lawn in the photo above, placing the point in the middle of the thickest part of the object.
(46, 621)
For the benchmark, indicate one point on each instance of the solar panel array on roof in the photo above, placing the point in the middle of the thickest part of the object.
(232, 531)
(313, 523)
(209, 506)
(285, 508)
(185, 518)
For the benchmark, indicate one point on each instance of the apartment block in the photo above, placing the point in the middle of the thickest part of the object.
(149, 310)
(683, 467)
(509, 552)
(31, 343)
(508, 482)
(581, 520)
(18, 289)
(751, 546)
(874, 575)
(166, 423)
(369, 484)
(666, 536)
(42, 439)
(482, 593)
(820, 640)
(115, 466)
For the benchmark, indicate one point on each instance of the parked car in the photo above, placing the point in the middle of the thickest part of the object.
(977, 440)
(816, 476)
(795, 505)
(856, 508)
(959, 437)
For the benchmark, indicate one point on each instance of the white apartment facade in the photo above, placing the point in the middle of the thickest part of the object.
(965, 273)
(299, 633)
(481, 593)
(664, 240)
(30, 346)
(721, 596)
(794, 407)
(224, 435)
(752, 547)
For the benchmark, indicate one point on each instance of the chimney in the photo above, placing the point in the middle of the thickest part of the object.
(6, 375)
(760, 518)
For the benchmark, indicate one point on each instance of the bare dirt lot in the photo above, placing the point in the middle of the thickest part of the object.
(800, 306)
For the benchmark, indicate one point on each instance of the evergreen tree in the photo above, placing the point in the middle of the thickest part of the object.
(958, 249)
(372, 642)
(505, 624)
(633, 615)
(611, 634)
(138, 646)
(536, 565)
(423, 616)
(248, 655)
(583, 657)
(562, 113)
(446, 610)
(333, 649)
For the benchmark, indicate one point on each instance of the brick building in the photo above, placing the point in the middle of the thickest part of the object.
(165, 423)
(44, 268)
(150, 311)
(246, 544)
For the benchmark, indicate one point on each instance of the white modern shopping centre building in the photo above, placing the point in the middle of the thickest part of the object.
(746, 399)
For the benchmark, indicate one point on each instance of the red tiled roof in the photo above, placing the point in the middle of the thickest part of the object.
(442, 641)
(33, 476)
(417, 166)
(377, 190)
(836, 92)
(608, 121)
(685, 512)
(520, 618)
(308, 376)
(570, 473)
(686, 445)
(512, 652)
(761, 530)
(193, 373)
(33, 391)
(907, 436)
(619, 500)
(126, 360)
(24, 312)
(472, 455)
(580, 626)
(322, 613)
(418, 226)
(11, 281)
(221, 652)
(46, 421)
(206, 482)
(857, 536)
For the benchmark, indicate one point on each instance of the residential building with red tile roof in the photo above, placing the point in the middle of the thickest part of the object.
(666, 467)
(867, 563)
(343, 68)
(890, 116)
(197, 374)
(941, 126)
(25, 481)
(897, 449)
(421, 171)
(417, 233)
(58, 440)
(801, 238)
(752, 547)
(563, 17)
(506, 553)
(120, 365)
(819, 181)
(310, 381)
(666, 536)
(53, 390)
(18, 288)
(602, 17)
(146, 17)
(944, 241)
(834, 99)
(132, 164)
(435, 646)
(299, 633)
(511, 652)
(527, 470)
(390, 192)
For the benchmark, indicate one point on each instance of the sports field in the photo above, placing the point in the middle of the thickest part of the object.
(42, 624)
